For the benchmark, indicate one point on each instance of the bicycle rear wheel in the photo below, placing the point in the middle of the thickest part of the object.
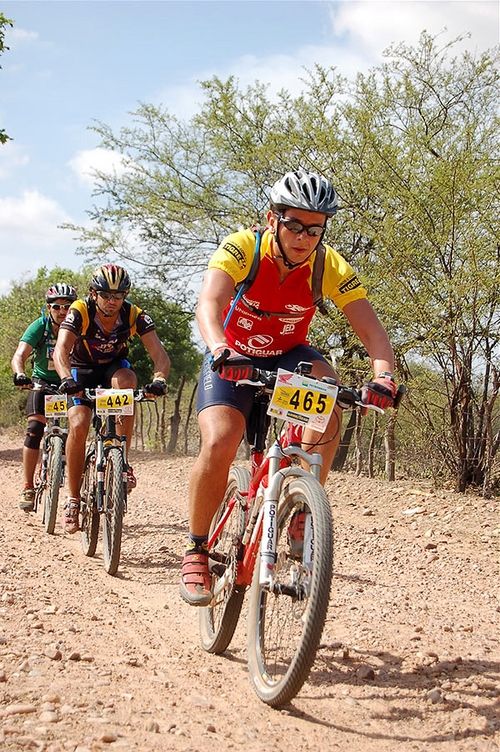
(114, 506)
(218, 620)
(286, 623)
(53, 483)
(89, 524)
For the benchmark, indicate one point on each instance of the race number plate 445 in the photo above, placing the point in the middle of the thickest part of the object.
(302, 401)
(56, 405)
(114, 401)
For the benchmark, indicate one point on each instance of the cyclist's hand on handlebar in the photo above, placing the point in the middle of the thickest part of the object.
(157, 388)
(231, 365)
(22, 381)
(69, 386)
(379, 392)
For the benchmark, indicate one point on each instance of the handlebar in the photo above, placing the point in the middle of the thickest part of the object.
(139, 395)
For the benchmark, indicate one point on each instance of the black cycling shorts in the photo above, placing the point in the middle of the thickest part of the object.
(212, 390)
(98, 375)
(35, 404)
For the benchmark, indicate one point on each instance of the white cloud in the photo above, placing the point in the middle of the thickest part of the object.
(16, 35)
(372, 25)
(12, 157)
(87, 162)
(30, 236)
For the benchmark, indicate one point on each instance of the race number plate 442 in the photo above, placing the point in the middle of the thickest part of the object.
(302, 401)
(114, 401)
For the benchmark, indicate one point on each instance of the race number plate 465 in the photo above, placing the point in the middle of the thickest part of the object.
(302, 401)
(56, 405)
(114, 401)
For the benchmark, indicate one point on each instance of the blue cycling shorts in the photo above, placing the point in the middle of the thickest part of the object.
(212, 390)
(94, 376)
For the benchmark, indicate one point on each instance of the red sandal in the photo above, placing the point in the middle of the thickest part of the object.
(196, 582)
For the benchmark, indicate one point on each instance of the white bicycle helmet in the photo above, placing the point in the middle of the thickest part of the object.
(300, 189)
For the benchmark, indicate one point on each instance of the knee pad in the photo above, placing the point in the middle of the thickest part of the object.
(34, 433)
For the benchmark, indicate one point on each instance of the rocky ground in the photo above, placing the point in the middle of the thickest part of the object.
(409, 660)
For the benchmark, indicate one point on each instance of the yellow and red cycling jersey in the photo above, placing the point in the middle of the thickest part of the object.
(274, 316)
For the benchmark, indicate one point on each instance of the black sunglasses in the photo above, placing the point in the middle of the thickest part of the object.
(314, 231)
(112, 295)
(57, 306)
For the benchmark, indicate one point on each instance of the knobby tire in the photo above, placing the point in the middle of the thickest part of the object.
(218, 620)
(89, 524)
(114, 506)
(284, 631)
(53, 483)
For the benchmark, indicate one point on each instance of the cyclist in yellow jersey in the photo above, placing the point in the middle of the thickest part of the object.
(91, 351)
(268, 327)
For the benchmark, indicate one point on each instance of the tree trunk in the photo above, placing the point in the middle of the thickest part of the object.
(188, 419)
(343, 450)
(175, 418)
(359, 453)
(390, 447)
(371, 446)
(163, 424)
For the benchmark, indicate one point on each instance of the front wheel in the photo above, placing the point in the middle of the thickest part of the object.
(285, 621)
(114, 506)
(53, 483)
(218, 620)
(89, 523)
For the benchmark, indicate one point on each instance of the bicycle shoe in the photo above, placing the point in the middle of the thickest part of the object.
(295, 534)
(131, 479)
(196, 582)
(27, 502)
(70, 516)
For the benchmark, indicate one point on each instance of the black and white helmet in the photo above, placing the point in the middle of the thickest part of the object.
(301, 189)
(60, 290)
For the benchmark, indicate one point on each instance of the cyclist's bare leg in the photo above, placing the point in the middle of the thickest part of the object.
(221, 429)
(30, 456)
(125, 378)
(79, 417)
(327, 442)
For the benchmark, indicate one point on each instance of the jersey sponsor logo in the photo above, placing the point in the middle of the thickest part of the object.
(260, 341)
(147, 319)
(253, 303)
(288, 329)
(295, 307)
(259, 353)
(244, 323)
(236, 253)
(295, 320)
(349, 284)
(70, 317)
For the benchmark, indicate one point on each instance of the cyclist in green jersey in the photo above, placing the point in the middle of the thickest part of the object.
(38, 342)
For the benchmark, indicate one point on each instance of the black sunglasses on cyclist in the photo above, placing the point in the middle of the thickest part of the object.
(57, 306)
(112, 295)
(314, 231)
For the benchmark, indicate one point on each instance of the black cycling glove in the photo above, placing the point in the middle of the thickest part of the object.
(69, 386)
(158, 387)
(20, 379)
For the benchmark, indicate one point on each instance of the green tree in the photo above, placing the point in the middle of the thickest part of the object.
(4, 23)
(410, 147)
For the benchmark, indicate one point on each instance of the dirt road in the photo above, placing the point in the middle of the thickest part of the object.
(410, 655)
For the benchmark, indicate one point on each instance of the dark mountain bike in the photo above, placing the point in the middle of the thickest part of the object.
(51, 470)
(103, 491)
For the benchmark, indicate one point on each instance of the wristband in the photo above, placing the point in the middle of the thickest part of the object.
(385, 375)
(158, 376)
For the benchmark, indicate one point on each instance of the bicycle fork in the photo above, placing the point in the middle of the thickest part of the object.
(269, 513)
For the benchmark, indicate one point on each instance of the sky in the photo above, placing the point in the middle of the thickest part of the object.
(70, 64)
